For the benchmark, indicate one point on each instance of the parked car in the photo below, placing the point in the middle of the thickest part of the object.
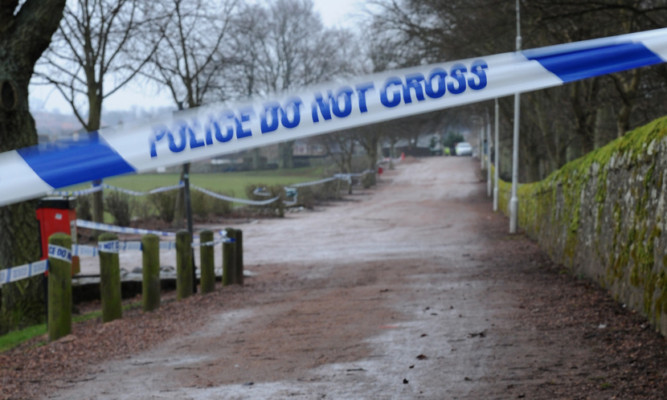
(463, 149)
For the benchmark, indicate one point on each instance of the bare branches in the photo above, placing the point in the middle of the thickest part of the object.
(189, 55)
(91, 47)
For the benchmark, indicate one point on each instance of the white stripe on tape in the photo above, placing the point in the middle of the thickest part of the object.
(215, 130)
(167, 245)
(83, 250)
(235, 200)
(24, 271)
(119, 229)
(60, 253)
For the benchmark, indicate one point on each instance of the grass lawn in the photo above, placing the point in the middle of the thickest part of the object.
(229, 183)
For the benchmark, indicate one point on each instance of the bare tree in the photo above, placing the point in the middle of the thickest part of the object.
(88, 59)
(192, 53)
(341, 148)
(26, 28)
(411, 32)
(190, 57)
(284, 46)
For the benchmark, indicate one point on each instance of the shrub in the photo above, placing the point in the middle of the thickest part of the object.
(328, 191)
(276, 208)
(220, 207)
(141, 208)
(204, 205)
(164, 203)
(306, 197)
(118, 205)
(83, 208)
(201, 204)
(368, 180)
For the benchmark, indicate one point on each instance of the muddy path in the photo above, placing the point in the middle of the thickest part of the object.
(412, 290)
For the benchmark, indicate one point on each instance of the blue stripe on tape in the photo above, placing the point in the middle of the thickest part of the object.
(589, 62)
(69, 162)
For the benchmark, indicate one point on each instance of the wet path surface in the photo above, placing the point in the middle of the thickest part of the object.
(413, 290)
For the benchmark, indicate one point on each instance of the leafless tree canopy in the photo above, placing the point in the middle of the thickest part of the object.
(88, 59)
(557, 124)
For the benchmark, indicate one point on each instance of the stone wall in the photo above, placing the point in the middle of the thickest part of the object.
(604, 216)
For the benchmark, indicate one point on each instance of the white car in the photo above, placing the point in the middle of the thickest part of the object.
(463, 149)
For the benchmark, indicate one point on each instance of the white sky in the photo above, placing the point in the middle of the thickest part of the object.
(339, 13)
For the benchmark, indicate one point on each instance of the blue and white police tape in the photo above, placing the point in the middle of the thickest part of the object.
(83, 250)
(214, 242)
(138, 194)
(60, 253)
(211, 131)
(76, 193)
(22, 272)
(120, 229)
(233, 199)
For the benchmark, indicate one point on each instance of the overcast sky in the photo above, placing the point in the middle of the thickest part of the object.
(333, 12)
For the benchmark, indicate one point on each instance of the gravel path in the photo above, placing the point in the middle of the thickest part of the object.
(412, 290)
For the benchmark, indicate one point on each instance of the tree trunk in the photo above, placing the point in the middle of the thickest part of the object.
(179, 206)
(256, 159)
(285, 151)
(25, 32)
(94, 123)
(22, 301)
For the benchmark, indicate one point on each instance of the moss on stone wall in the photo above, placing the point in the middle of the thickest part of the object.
(603, 215)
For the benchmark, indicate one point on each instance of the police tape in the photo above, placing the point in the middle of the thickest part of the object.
(233, 199)
(83, 250)
(120, 229)
(139, 194)
(76, 193)
(211, 131)
(205, 191)
(21, 272)
(24, 271)
(134, 245)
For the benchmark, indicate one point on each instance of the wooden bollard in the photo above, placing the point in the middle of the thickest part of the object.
(110, 290)
(228, 275)
(206, 262)
(150, 286)
(184, 280)
(60, 286)
(239, 256)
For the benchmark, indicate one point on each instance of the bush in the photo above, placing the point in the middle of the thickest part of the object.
(200, 203)
(204, 205)
(118, 205)
(164, 203)
(141, 208)
(276, 208)
(83, 208)
(220, 207)
(368, 180)
(328, 191)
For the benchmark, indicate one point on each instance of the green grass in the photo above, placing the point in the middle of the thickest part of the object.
(230, 183)
(12, 339)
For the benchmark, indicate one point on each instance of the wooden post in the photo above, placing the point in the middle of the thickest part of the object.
(239, 256)
(228, 275)
(206, 262)
(110, 290)
(184, 281)
(60, 286)
(150, 286)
